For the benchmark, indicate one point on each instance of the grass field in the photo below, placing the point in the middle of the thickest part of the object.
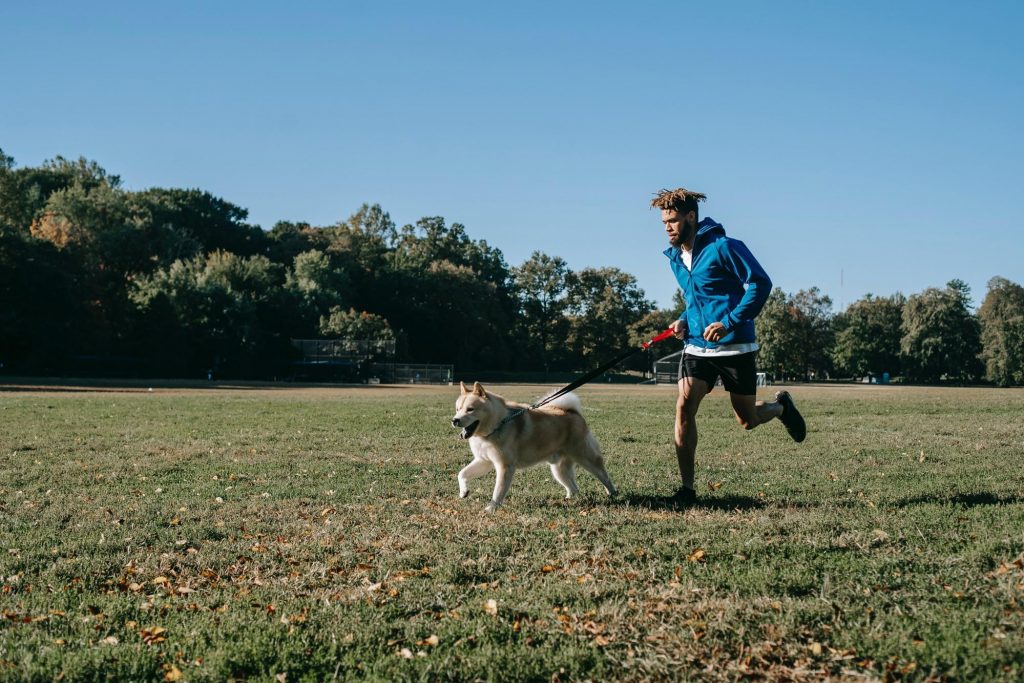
(304, 534)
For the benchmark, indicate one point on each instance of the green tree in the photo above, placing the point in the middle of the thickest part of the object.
(352, 324)
(41, 316)
(25, 191)
(795, 334)
(868, 334)
(817, 337)
(94, 223)
(452, 315)
(777, 334)
(603, 306)
(195, 216)
(431, 240)
(1002, 332)
(941, 337)
(214, 312)
(451, 296)
(287, 240)
(541, 286)
(652, 324)
(646, 328)
(317, 284)
(375, 222)
(678, 303)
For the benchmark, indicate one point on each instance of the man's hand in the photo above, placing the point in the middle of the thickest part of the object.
(714, 332)
(678, 328)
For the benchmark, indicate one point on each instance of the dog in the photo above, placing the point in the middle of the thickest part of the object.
(555, 433)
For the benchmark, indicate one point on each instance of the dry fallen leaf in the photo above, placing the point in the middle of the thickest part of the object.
(491, 607)
(153, 635)
(173, 674)
(697, 555)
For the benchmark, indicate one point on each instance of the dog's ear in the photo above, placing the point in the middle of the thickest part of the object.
(462, 386)
(478, 389)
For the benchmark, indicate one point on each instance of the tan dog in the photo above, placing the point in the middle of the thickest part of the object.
(556, 434)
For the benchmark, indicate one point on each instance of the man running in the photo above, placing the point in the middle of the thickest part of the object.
(725, 288)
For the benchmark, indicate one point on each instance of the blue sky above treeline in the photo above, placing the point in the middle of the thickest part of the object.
(859, 147)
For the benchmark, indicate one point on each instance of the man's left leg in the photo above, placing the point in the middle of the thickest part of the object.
(750, 412)
(739, 375)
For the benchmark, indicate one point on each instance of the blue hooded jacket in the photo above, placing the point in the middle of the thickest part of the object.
(726, 284)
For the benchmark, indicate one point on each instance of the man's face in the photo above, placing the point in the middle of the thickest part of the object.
(678, 227)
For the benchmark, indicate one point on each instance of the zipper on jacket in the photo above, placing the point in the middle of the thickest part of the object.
(700, 311)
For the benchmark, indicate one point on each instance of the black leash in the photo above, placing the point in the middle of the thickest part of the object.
(577, 383)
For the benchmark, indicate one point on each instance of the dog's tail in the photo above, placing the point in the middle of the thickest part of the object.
(569, 402)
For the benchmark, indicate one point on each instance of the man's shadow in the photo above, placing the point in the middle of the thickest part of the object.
(726, 502)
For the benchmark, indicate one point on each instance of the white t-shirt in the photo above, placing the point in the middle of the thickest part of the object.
(723, 350)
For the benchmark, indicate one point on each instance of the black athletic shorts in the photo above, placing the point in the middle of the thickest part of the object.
(738, 372)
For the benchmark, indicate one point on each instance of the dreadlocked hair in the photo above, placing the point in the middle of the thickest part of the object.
(680, 200)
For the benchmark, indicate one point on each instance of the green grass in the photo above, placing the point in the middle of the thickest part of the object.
(318, 533)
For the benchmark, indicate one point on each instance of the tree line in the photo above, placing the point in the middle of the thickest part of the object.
(175, 282)
(928, 337)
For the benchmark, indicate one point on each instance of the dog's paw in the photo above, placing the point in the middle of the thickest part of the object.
(491, 507)
(463, 493)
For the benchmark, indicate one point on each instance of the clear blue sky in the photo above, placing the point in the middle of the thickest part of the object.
(879, 140)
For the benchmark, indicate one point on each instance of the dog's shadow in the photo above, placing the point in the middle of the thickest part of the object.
(725, 502)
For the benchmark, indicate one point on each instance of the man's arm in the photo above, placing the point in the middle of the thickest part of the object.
(759, 286)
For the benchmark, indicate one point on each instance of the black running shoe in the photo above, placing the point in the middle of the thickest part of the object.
(684, 497)
(791, 417)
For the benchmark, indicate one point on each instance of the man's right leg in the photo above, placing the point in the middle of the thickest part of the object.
(691, 392)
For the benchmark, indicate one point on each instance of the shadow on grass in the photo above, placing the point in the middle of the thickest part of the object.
(104, 385)
(727, 502)
(968, 500)
(37, 388)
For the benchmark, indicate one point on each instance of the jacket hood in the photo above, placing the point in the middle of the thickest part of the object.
(709, 225)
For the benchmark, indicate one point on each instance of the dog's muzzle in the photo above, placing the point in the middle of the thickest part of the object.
(468, 430)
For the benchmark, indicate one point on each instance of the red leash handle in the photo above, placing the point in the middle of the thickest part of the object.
(661, 337)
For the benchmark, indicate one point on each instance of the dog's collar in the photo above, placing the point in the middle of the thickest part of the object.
(508, 418)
